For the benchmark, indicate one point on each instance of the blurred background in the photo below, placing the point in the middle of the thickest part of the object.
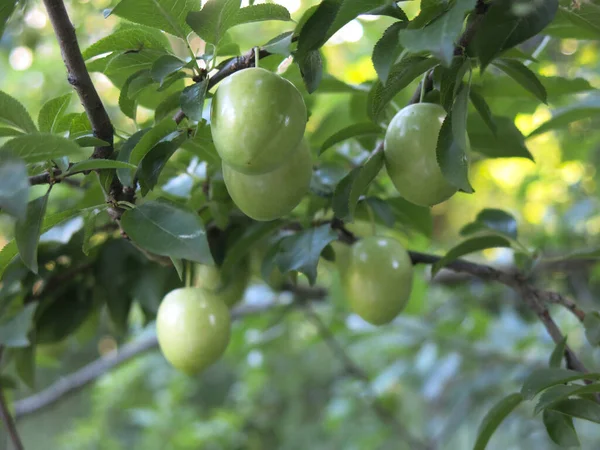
(460, 346)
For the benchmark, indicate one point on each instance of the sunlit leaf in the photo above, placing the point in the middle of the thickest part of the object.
(472, 245)
(494, 418)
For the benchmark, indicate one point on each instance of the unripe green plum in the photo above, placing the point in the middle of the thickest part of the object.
(257, 120)
(410, 154)
(209, 278)
(193, 329)
(271, 195)
(378, 279)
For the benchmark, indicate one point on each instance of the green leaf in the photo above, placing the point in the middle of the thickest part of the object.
(560, 429)
(280, 45)
(494, 87)
(14, 186)
(390, 10)
(167, 106)
(355, 184)
(95, 164)
(314, 32)
(494, 220)
(475, 244)
(578, 407)
(260, 13)
(165, 66)
(89, 140)
(242, 246)
(558, 354)
(133, 38)
(484, 111)
(38, 147)
(591, 322)
(459, 121)
(27, 232)
(452, 158)
(5, 132)
(542, 379)
(351, 131)
(202, 146)
(440, 36)
(150, 139)
(301, 251)
(507, 23)
(563, 118)
(417, 218)
(127, 104)
(450, 80)
(10, 250)
(156, 159)
(126, 175)
(14, 114)
(505, 143)
(215, 18)
(7, 7)
(386, 51)
(494, 418)
(401, 75)
(166, 15)
(125, 65)
(311, 69)
(167, 229)
(89, 223)
(52, 111)
(64, 315)
(25, 364)
(586, 16)
(14, 331)
(522, 75)
(561, 392)
(192, 100)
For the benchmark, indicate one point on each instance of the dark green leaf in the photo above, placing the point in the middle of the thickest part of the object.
(390, 10)
(14, 186)
(440, 36)
(417, 218)
(386, 51)
(494, 220)
(508, 23)
(150, 139)
(380, 208)
(167, 15)
(262, 12)
(578, 407)
(5, 132)
(351, 9)
(355, 184)
(7, 7)
(167, 106)
(522, 75)
(475, 244)
(192, 100)
(580, 21)
(493, 87)
(202, 146)
(165, 66)
(311, 69)
(301, 252)
(126, 175)
(125, 65)
(542, 379)
(314, 32)
(27, 232)
(565, 117)
(215, 18)
(156, 159)
(459, 120)
(558, 354)
(52, 111)
(357, 129)
(25, 364)
(131, 38)
(89, 224)
(494, 418)
(39, 147)
(556, 393)
(280, 45)
(452, 158)
(14, 332)
(14, 114)
(483, 109)
(128, 104)
(507, 142)
(89, 140)
(95, 164)
(592, 327)
(169, 230)
(560, 428)
(401, 75)
(64, 315)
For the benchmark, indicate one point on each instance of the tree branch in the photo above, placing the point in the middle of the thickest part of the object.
(7, 418)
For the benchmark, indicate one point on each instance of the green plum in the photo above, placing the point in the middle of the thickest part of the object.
(209, 278)
(257, 120)
(378, 279)
(193, 329)
(410, 154)
(274, 194)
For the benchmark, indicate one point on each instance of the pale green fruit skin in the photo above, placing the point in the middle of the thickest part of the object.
(378, 279)
(193, 329)
(410, 154)
(257, 120)
(271, 195)
(209, 278)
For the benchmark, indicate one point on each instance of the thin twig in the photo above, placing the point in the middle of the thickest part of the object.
(7, 418)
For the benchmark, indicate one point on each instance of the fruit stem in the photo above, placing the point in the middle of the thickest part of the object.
(256, 56)
(371, 219)
(423, 83)
(188, 274)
